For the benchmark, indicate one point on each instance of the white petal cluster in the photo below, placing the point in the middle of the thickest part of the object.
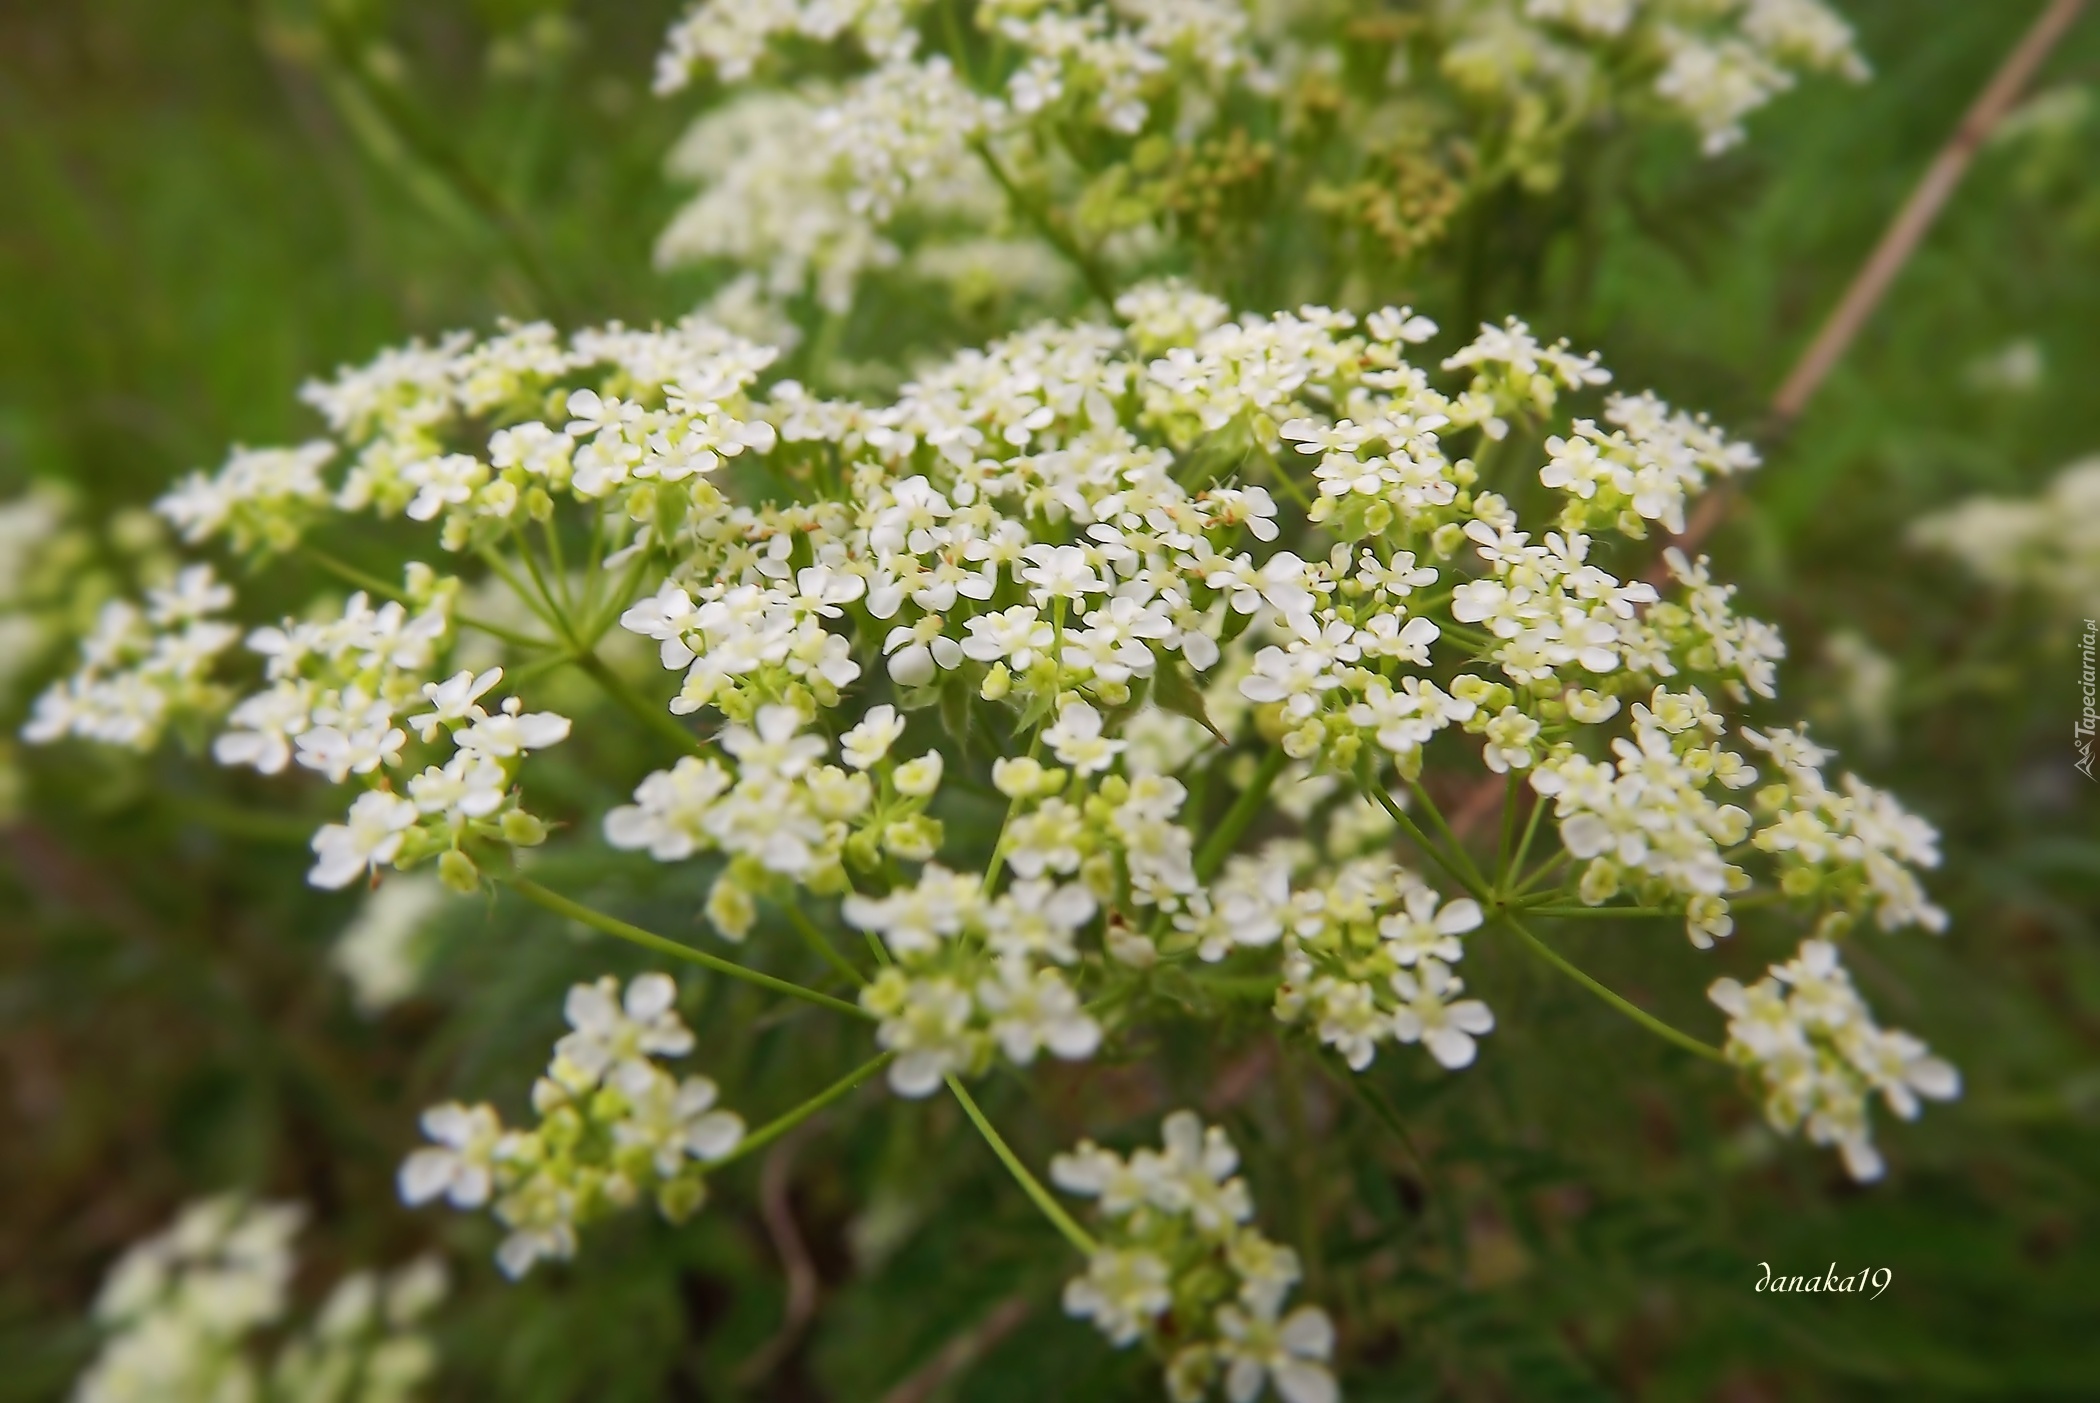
(142, 667)
(1368, 952)
(1104, 62)
(614, 1125)
(1711, 65)
(1180, 1267)
(258, 496)
(1809, 1039)
(1055, 547)
(181, 1312)
(731, 36)
(2047, 545)
(973, 974)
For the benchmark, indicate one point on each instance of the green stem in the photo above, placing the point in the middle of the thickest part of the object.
(1378, 795)
(372, 584)
(781, 1124)
(1631, 1010)
(655, 718)
(1458, 846)
(1514, 868)
(816, 940)
(1565, 912)
(1048, 225)
(1278, 471)
(423, 139)
(1240, 815)
(517, 586)
(1030, 1185)
(649, 940)
(1545, 870)
(1510, 796)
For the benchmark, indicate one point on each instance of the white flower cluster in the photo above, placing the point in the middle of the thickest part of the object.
(614, 1125)
(779, 814)
(1714, 61)
(2048, 544)
(380, 953)
(1055, 544)
(181, 1311)
(1180, 1268)
(731, 36)
(256, 498)
(1103, 62)
(1368, 955)
(774, 199)
(141, 667)
(806, 185)
(1804, 1032)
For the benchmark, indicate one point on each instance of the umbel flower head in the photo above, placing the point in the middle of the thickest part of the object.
(1179, 1268)
(180, 1312)
(614, 1126)
(914, 151)
(1093, 682)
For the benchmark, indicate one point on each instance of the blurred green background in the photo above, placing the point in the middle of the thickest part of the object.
(202, 205)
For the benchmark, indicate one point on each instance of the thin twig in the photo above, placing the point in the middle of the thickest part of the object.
(1901, 239)
(1922, 208)
(776, 1208)
(959, 1353)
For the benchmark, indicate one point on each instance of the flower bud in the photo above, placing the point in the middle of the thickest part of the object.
(457, 871)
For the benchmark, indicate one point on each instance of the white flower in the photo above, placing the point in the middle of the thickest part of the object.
(1424, 931)
(1122, 1292)
(926, 1022)
(509, 732)
(673, 1119)
(1193, 1174)
(1427, 1014)
(378, 825)
(1039, 919)
(453, 700)
(670, 814)
(615, 1035)
(461, 1165)
(914, 920)
(1059, 572)
(775, 748)
(1078, 742)
(918, 779)
(1292, 1353)
(469, 786)
(1030, 1012)
(864, 746)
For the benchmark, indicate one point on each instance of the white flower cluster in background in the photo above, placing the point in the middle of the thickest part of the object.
(2047, 545)
(1180, 1267)
(182, 1311)
(614, 1127)
(810, 181)
(1806, 1035)
(1720, 60)
(142, 665)
(381, 952)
